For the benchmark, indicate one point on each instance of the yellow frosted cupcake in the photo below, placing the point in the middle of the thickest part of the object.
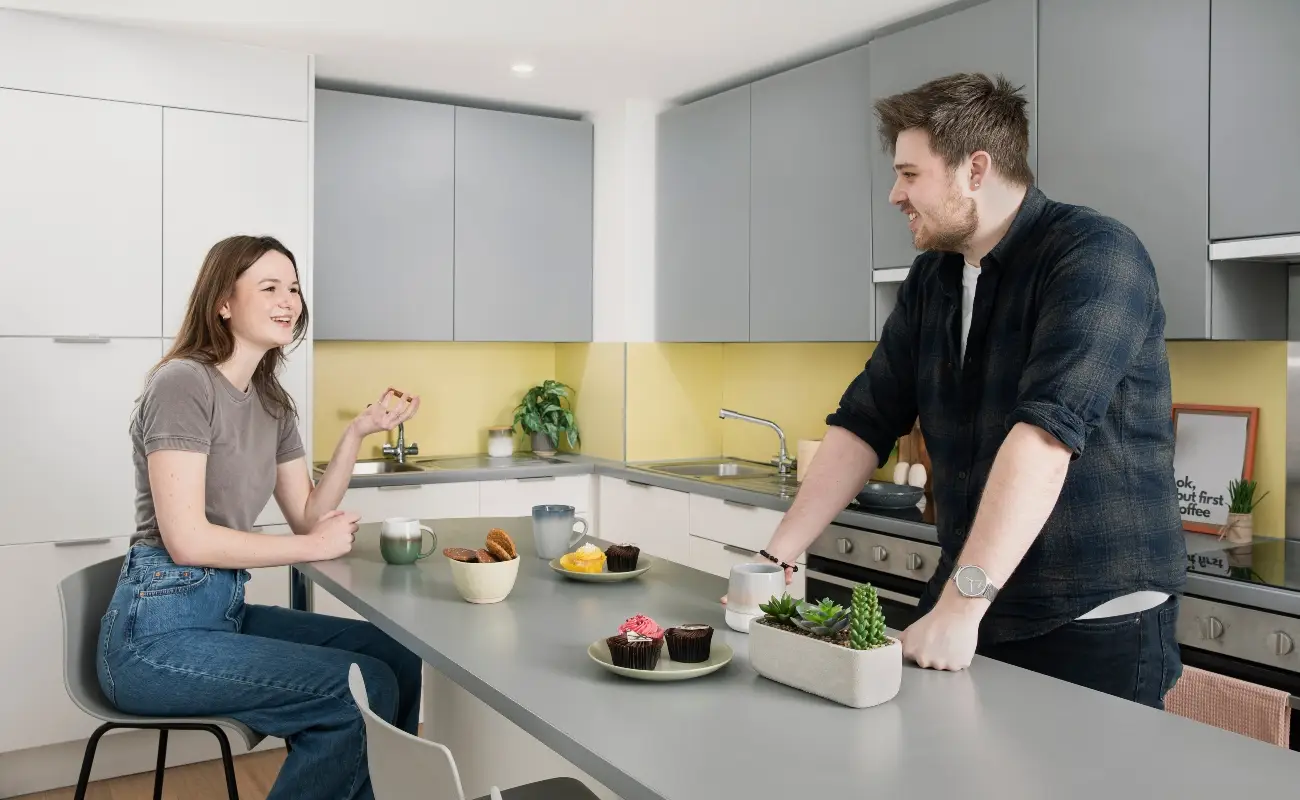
(587, 558)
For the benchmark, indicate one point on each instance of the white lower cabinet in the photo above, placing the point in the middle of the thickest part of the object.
(421, 500)
(517, 496)
(269, 586)
(717, 558)
(34, 704)
(653, 518)
(732, 523)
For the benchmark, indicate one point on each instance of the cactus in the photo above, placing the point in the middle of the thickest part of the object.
(867, 621)
(781, 609)
(827, 618)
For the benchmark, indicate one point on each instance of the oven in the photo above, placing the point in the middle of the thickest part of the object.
(898, 568)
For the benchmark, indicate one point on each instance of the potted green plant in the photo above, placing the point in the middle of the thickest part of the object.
(1240, 527)
(542, 413)
(840, 654)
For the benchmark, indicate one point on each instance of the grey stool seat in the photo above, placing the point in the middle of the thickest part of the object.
(84, 597)
(406, 767)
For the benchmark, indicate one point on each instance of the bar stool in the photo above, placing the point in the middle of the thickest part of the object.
(406, 767)
(84, 595)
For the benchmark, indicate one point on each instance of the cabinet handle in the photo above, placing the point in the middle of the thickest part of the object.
(638, 483)
(731, 548)
(739, 504)
(400, 487)
(538, 478)
(81, 542)
(81, 340)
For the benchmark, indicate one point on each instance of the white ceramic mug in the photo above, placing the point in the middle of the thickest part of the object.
(751, 584)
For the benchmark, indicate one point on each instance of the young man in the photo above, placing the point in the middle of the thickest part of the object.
(1029, 339)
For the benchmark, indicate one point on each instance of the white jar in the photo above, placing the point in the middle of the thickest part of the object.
(501, 442)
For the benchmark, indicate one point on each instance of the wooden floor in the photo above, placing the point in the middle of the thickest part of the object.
(254, 772)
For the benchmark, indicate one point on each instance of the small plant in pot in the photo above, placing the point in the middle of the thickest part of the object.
(842, 654)
(542, 413)
(1240, 527)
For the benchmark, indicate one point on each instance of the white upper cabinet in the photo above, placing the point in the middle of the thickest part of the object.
(225, 175)
(80, 239)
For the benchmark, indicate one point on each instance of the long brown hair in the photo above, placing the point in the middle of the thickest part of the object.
(205, 337)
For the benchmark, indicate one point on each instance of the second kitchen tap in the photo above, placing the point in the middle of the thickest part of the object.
(782, 461)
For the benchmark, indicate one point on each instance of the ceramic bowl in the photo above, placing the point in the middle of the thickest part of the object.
(484, 583)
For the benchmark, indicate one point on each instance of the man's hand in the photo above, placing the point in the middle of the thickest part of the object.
(945, 638)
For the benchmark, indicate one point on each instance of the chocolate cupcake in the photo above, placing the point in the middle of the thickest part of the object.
(689, 643)
(621, 557)
(634, 651)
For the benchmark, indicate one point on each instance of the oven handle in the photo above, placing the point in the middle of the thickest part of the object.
(897, 597)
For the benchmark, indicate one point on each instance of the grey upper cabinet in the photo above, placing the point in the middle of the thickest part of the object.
(523, 227)
(702, 218)
(383, 226)
(810, 203)
(1254, 118)
(994, 37)
(1141, 112)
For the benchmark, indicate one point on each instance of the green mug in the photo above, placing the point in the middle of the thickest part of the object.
(400, 539)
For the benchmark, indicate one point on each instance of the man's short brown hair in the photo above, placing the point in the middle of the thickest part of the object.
(964, 113)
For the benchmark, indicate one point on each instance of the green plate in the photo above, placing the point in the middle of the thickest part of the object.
(643, 564)
(666, 669)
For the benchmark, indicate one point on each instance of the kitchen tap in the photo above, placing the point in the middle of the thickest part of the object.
(401, 451)
(783, 462)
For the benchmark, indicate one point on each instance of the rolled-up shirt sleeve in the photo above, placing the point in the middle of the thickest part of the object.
(1095, 313)
(879, 405)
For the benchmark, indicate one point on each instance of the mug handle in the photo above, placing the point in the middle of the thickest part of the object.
(577, 535)
(433, 536)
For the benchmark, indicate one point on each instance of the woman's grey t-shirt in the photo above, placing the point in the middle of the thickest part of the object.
(187, 405)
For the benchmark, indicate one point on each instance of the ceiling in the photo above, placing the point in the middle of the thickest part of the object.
(586, 54)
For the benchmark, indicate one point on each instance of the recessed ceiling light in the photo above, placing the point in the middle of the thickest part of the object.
(522, 69)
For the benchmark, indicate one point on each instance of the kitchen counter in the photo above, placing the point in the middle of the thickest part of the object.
(909, 524)
(990, 731)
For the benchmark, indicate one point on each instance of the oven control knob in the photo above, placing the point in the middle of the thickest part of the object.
(844, 546)
(914, 561)
(1211, 627)
(879, 553)
(1280, 643)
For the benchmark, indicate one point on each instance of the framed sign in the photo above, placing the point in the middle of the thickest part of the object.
(1213, 446)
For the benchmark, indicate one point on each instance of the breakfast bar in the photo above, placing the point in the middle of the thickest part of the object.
(992, 730)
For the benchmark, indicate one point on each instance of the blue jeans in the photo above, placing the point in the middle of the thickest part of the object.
(180, 641)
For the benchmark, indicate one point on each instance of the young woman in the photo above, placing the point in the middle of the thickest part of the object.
(214, 437)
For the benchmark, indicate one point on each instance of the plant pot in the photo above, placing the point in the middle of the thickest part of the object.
(543, 445)
(854, 678)
(1240, 528)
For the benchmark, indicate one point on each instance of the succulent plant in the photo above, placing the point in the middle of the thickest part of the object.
(781, 609)
(867, 621)
(826, 618)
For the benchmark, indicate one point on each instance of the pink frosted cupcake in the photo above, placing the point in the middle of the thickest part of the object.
(643, 625)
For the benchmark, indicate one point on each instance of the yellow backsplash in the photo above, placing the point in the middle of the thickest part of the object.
(595, 371)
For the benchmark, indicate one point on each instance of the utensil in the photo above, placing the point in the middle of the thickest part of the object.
(878, 494)
(642, 565)
(666, 670)
(553, 532)
(400, 539)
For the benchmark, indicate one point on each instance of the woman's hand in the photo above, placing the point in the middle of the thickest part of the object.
(333, 534)
(379, 417)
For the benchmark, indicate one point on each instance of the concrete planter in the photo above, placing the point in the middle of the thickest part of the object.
(855, 678)
(543, 445)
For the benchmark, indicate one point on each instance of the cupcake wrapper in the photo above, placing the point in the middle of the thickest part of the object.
(689, 649)
(634, 655)
(617, 562)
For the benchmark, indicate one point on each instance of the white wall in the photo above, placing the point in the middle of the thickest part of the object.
(624, 222)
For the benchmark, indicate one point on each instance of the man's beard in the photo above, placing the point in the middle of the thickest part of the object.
(956, 225)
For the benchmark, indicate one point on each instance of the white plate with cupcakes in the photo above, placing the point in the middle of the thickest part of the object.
(618, 562)
(643, 650)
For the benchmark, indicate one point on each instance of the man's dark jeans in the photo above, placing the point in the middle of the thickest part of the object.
(1133, 656)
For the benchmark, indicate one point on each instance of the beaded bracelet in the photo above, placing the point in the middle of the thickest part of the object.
(775, 560)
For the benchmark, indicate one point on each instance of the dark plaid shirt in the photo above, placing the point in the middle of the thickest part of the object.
(1067, 333)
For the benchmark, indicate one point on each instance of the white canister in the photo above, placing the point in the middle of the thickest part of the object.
(501, 441)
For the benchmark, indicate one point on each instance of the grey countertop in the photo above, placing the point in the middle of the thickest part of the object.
(990, 731)
(905, 524)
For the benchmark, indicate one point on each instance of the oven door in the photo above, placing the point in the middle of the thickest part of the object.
(835, 580)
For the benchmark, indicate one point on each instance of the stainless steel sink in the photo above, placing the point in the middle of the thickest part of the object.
(720, 469)
(375, 466)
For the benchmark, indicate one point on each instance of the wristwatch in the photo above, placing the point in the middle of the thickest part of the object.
(973, 582)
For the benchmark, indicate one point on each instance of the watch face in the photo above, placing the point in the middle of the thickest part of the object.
(972, 581)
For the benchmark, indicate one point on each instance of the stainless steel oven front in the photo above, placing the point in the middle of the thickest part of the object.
(898, 568)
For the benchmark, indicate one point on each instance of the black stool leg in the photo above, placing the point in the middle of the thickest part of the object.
(88, 759)
(227, 760)
(162, 764)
